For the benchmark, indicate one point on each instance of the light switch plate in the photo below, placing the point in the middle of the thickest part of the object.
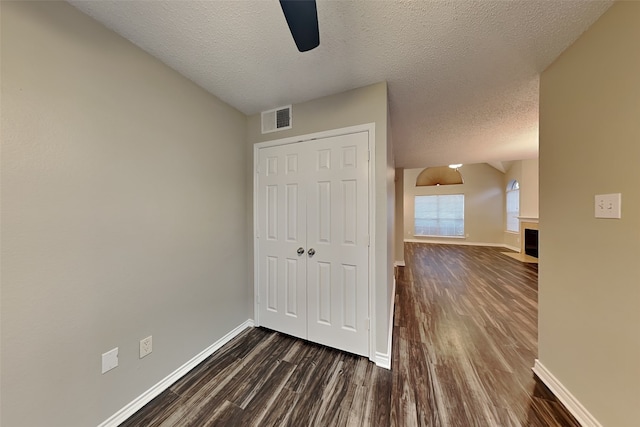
(608, 205)
(109, 360)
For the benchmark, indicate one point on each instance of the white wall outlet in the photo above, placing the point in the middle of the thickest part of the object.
(146, 346)
(608, 205)
(109, 360)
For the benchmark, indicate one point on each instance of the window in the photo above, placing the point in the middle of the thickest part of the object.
(441, 215)
(513, 206)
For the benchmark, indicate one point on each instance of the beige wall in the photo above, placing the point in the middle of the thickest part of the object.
(483, 203)
(589, 286)
(526, 173)
(399, 216)
(390, 198)
(355, 107)
(123, 216)
(529, 190)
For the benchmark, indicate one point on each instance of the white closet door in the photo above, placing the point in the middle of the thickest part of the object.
(281, 232)
(337, 231)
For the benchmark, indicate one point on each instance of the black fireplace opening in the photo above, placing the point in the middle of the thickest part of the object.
(531, 242)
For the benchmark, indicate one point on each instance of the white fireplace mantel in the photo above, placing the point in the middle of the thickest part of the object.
(532, 219)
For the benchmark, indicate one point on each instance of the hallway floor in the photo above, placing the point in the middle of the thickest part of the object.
(465, 339)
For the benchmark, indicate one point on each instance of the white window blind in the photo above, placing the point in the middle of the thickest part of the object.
(441, 215)
(513, 206)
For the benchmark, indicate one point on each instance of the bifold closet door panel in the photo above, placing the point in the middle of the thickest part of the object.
(282, 227)
(337, 234)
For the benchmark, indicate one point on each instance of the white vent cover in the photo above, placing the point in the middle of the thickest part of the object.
(276, 119)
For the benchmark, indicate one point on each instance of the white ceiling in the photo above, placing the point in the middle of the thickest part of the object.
(462, 75)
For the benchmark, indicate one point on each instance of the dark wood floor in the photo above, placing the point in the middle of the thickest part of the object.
(465, 338)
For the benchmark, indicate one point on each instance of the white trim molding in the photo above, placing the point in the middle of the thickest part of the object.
(533, 219)
(383, 360)
(458, 242)
(564, 396)
(146, 397)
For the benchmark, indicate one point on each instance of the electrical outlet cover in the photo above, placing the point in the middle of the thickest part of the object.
(146, 346)
(109, 360)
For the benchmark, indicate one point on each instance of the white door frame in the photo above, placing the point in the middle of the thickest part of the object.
(370, 129)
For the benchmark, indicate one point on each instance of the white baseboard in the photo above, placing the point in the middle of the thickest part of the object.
(564, 395)
(146, 397)
(383, 360)
(458, 241)
(399, 264)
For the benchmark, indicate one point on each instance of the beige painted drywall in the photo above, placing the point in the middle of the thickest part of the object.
(390, 236)
(399, 217)
(589, 285)
(355, 107)
(123, 216)
(484, 204)
(526, 173)
(529, 190)
(390, 198)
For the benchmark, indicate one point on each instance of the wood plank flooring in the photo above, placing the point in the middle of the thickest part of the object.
(465, 338)
(264, 378)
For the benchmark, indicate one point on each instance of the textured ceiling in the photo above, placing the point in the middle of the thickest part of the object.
(462, 75)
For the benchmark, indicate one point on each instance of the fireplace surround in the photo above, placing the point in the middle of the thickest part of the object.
(528, 223)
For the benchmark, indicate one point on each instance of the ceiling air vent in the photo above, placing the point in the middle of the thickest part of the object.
(276, 119)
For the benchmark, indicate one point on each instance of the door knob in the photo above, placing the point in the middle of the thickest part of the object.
(311, 252)
(300, 251)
